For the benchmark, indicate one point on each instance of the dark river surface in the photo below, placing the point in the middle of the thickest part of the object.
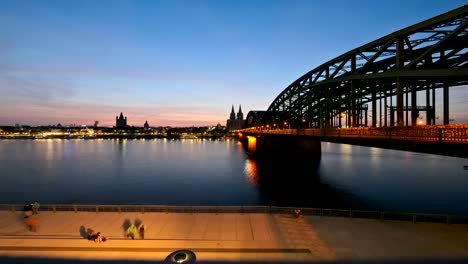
(208, 172)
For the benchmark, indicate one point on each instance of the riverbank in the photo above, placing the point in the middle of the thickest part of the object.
(229, 237)
(120, 136)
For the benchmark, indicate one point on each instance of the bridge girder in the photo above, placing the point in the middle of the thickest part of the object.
(429, 55)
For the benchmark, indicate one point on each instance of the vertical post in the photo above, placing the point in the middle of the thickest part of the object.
(360, 108)
(406, 105)
(428, 95)
(392, 117)
(446, 104)
(347, 119)
(399, 82)
(433, 105)
(339, 118)
(327, 101)
(428, 105)
(374, 107)
(414, 110)
(392, 113)
(380, 110)
(353, 97)
(365, 117)
(385, 108)
(445, 96)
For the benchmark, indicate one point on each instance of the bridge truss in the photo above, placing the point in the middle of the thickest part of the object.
(386, 73)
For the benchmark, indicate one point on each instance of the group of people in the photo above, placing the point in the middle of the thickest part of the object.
(29, 211)
(32, 222)
(132, 229)
(96, 237)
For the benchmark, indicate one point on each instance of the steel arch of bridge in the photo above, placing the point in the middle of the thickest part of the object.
(423, 57)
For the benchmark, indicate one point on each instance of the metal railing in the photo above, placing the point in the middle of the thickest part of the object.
(445, 134)
(379, 215)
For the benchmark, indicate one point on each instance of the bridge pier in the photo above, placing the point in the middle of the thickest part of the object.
(282, 147)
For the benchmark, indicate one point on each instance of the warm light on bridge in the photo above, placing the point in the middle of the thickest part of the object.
(252, 144)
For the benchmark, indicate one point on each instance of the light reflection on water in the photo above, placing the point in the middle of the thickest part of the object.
(251, 172)
(210, 172)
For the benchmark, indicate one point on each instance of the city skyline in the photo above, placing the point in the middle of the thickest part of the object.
(178, 63)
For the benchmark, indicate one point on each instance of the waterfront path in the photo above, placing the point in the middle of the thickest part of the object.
(230, 237)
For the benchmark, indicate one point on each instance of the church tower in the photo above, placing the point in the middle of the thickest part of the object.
(121, 121)
(233, 114)
(240, 115)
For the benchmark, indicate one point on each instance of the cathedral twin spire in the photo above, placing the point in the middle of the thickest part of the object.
(240, 115)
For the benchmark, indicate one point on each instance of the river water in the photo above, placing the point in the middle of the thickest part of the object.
(209, 172)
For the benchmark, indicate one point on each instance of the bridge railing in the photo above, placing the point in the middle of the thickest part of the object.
(331, 212)
(452, 134)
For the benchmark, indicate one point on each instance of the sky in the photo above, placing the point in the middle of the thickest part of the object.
(178, 63)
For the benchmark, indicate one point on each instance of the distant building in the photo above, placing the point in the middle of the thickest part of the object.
(121, 122)
(235, 121)
(146, 125)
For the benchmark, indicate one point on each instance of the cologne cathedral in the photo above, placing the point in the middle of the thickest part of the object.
(235, 121)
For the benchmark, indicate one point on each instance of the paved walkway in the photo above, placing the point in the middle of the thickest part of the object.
(230, 237)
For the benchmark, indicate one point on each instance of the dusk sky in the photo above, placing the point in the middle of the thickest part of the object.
(179, 63)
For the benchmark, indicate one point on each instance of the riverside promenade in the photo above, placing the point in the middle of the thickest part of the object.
(230, 237)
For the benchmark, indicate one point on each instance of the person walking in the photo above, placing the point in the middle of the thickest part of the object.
(35, 208)
(27, 210)
(32, 223)
(131, 231)
(141, 230)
